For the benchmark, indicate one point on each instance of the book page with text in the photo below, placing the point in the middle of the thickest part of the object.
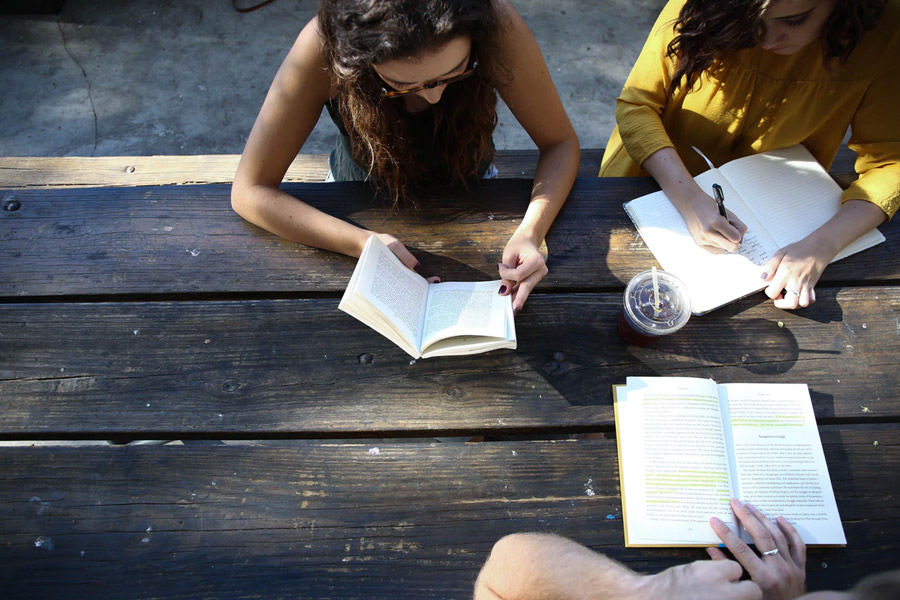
(779, 464)
(465, 309)
(791, 193)
(396, 292)
(675, 472)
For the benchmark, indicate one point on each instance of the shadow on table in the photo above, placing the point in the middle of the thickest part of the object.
(574, 346)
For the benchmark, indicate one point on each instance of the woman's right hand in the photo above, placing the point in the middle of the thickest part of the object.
(709, 228)
(698, 209)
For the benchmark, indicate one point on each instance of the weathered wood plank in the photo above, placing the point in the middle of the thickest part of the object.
(114, 171)
(168, 370)
(349, 521)
(184, 239)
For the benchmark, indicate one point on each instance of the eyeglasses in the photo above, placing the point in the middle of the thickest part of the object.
(386, 93)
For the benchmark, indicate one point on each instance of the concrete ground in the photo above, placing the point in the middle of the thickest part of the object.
(149, 77)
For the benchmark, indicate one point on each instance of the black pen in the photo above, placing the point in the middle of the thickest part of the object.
(720, 199)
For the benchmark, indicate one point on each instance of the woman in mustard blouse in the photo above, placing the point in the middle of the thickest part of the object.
(737, 77)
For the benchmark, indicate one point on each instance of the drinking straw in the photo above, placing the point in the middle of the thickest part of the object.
(655, 291)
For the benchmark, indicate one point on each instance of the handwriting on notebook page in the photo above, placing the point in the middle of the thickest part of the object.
(753, 249)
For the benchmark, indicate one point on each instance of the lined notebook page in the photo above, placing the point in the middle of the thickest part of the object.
(713, 279)
(791, 194)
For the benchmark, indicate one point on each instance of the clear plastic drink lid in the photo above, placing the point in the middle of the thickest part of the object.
(642, 310)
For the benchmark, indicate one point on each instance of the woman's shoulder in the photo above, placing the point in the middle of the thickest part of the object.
(310, 42)
(305, 61)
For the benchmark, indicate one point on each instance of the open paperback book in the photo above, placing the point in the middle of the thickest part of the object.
(687, 445)
(427, 319)
(782, 196)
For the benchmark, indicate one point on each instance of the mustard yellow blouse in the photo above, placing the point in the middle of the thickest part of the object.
(796, 100)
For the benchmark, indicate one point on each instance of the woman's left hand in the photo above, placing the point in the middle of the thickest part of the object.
(793, 272)
(522, 268)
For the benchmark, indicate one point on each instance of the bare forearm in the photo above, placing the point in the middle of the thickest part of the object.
(290, 218)
(669, 171)
(532, 565)
(853, 219)
(697, 208)
(553, 178)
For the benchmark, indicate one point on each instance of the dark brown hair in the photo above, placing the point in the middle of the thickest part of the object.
(708, 31)
(360, 33)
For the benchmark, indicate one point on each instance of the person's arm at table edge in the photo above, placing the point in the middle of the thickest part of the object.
(868, 202)
(289, 113)
(533, 100)
(647, 142)
(537, 565)
(525, 566)
(698, 208)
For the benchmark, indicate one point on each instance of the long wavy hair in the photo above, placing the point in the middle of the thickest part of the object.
(707, 31)
(360, 33)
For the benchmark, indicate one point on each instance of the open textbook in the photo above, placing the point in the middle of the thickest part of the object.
(687, 445)
(782, 196)
(427, 319)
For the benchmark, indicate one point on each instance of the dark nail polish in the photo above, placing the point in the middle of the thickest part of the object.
(515, 311)
(502, 289)
(764, 276)
(418, 267)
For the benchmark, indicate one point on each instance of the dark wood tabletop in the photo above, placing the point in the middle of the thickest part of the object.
(306, 464)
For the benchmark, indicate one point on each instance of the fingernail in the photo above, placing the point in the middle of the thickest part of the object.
(515, 311)
(764, 276)
(418, 267)
(749, 506)
(715, 521)
(502, 290)
(721, 545)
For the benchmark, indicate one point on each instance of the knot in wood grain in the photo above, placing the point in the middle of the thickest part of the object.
(559, 357)
(230, 386)
(453, 392)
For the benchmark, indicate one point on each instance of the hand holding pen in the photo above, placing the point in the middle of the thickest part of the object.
(710, 230)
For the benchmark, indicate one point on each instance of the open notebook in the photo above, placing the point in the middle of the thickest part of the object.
(781, 195)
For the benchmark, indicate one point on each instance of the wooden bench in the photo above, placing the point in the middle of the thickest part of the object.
(210, 168)
(154, 312)
(73, 171)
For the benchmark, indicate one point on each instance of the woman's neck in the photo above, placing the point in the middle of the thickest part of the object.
(416, 104)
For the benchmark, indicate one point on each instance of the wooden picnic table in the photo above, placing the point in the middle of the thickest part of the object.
(306, 465)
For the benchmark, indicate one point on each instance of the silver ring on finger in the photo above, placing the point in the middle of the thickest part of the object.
(794, 292)
(772, 552)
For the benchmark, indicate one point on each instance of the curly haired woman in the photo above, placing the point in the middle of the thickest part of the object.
(412, 86)
(738, 77)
